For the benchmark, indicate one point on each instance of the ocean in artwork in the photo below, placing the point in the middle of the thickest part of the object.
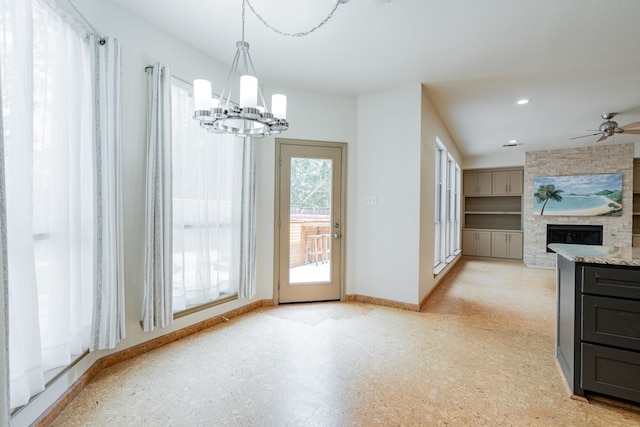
(578, 195)
(572, 204)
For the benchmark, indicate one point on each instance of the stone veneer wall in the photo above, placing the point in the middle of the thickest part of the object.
(615, 158)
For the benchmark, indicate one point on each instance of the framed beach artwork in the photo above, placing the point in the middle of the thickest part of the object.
(578, 195)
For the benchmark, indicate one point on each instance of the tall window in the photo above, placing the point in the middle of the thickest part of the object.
(447, 208)
(206, 204)
(437, 254)
(47, 114)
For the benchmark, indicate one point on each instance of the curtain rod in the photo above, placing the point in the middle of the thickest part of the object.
(84, 20)
(149, 67)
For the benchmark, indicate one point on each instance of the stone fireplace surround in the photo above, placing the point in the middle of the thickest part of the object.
(610, 158)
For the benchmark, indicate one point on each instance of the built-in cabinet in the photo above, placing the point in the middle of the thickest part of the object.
(636, 203)
(477, 183)
(506, 244)
(476, 243)
(493, 213)
(507, 182)
(598, 339)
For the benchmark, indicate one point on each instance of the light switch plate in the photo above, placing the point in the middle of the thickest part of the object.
(370, 200)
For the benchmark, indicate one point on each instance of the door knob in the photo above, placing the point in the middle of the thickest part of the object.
(337, 235)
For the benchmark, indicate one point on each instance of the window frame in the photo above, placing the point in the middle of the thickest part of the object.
(447, 200)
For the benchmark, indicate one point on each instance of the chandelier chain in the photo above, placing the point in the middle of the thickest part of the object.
(300, 34)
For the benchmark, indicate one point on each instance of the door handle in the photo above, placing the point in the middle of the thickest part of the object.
(337, 235)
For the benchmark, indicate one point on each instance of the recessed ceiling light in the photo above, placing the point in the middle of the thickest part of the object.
(523, 101)
(513, 141)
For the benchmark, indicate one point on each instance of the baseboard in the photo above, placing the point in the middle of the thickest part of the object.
(113, 359)
(384, 302)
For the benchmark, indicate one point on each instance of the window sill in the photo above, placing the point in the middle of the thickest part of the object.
(197, 308)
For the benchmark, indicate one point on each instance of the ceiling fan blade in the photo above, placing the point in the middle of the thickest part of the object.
(630, 125)
(602, 138)
(584, 136)
(633, 131)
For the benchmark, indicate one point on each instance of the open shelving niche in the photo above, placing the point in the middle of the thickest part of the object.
(493, 213)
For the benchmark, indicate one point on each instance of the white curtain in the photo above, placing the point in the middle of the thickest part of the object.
(47, 132)
(157, 306)
(4, 289)
(108, 325)
(207, 188)
(16, 62)
(247, 218)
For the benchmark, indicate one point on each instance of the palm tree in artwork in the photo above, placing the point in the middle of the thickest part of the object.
(546, 193)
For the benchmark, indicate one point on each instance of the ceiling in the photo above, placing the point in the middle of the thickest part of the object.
(575, 59)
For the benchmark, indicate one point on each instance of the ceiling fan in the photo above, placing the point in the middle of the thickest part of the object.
(610, 128)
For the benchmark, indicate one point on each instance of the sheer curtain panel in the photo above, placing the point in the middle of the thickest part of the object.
(47, 116)
(247, 217)
(207, 189)
(16, 65)
(108, 326)
(157, 309)
(4, 288)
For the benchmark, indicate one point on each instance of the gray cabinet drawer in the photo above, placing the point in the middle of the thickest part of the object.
(611, 371)
(612, 281)
(611, 321)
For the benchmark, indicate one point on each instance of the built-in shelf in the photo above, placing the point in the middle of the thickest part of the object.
(493, 212)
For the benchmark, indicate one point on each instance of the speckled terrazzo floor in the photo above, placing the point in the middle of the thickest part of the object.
(480, 353)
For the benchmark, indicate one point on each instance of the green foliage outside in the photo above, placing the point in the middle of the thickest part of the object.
(311, 183)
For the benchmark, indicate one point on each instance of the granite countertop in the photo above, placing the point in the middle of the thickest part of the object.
(594, 254)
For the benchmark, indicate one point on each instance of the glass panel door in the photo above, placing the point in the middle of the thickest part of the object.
(310, 223)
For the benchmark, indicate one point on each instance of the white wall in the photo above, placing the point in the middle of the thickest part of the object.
(432, 127)
(510, 157)
(388, 167)
(312, 116)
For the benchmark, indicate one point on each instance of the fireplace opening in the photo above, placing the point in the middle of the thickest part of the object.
(574, 234)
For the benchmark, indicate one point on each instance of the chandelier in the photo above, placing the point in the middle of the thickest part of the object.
(248, 118)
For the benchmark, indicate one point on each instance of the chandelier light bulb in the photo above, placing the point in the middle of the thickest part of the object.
(279, 106)
(202, 94)
(248, 91)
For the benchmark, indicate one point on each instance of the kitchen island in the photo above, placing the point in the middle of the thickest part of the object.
(598, 319)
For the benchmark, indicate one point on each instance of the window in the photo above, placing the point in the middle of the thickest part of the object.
(47, 114)
(437, 254)
(447, 208)
(206, 204)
